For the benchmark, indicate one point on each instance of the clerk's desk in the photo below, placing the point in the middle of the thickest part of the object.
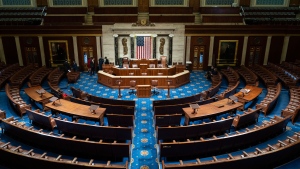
(210, 110)
(175, 80)
(75, 109)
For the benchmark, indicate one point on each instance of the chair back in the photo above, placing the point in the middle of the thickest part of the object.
(132, 83)
(125, 60)
(126, 65)
(154, 83)
(151, 65)
(163, 60)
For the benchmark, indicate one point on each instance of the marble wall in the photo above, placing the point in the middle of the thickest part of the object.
(166, 31)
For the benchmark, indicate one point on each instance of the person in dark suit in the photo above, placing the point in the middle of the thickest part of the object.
(67, 66)
(92, 65)
(74, 66)
(101, 61)
(106, 61)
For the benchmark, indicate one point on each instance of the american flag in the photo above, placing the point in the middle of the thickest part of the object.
(143, 50)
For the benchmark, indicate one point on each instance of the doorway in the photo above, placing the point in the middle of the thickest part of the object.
(254, 55)
(86, 53)
(198, 57)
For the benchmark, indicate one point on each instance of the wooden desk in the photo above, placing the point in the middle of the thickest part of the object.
(35, 96)
(210, 110)
(143, 91)
(75, 109)
(253, 94)
(175, 80)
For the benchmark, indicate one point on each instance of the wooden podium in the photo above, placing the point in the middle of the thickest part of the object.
(143, 91)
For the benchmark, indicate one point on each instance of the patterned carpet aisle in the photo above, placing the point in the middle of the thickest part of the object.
(144, 152)
(144, 143)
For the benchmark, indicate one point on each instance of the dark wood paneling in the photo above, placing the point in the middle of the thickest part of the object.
(276, 49)
(200, 41)
(295, 3)
(64, 19)
(143, 6)
(241, 29)
(47, 51)
(40, 3)
(219, 10)
(83, 42)
(244, 3)
(51, 30)
(252, 41)
(10, 49)
(293, 49)
(170, 10)
(195, 4)
(30, 42)
(239, 51)
(67, 10)
(114, 19)
(222, 19)
(92, 4)
(170, 19)
(118, 10)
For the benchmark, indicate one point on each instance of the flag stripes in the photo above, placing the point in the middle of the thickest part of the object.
(143, 48)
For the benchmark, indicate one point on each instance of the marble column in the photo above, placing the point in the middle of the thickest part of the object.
(284, 48)
(98, 47)
(266, 58)
(42, 50)
(116, 49)
(188, 47)
(132, 45)
(2, 54)
(154, 46)
(244, 52)
(170, 48)
(211, 50)
(17, 40)
(75, 47)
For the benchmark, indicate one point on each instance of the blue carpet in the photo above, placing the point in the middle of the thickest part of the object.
(144, 153)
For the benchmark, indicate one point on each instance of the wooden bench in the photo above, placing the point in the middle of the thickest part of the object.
(250, 77)
(60, 143)
(249, 116)
(217, 145)
(40, 118)
(15, 99)
(93, 131)
(293, 108)
(168, 120)
(271, 99)
(38, 76)
(194, 131)
(73, 76)
(120, 120)
(281, 152)
(110, 109)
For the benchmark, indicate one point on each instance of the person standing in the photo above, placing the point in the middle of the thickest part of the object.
(74, 66)
(106, 61)
(89, 65)
(92, 65)
(101, 61)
